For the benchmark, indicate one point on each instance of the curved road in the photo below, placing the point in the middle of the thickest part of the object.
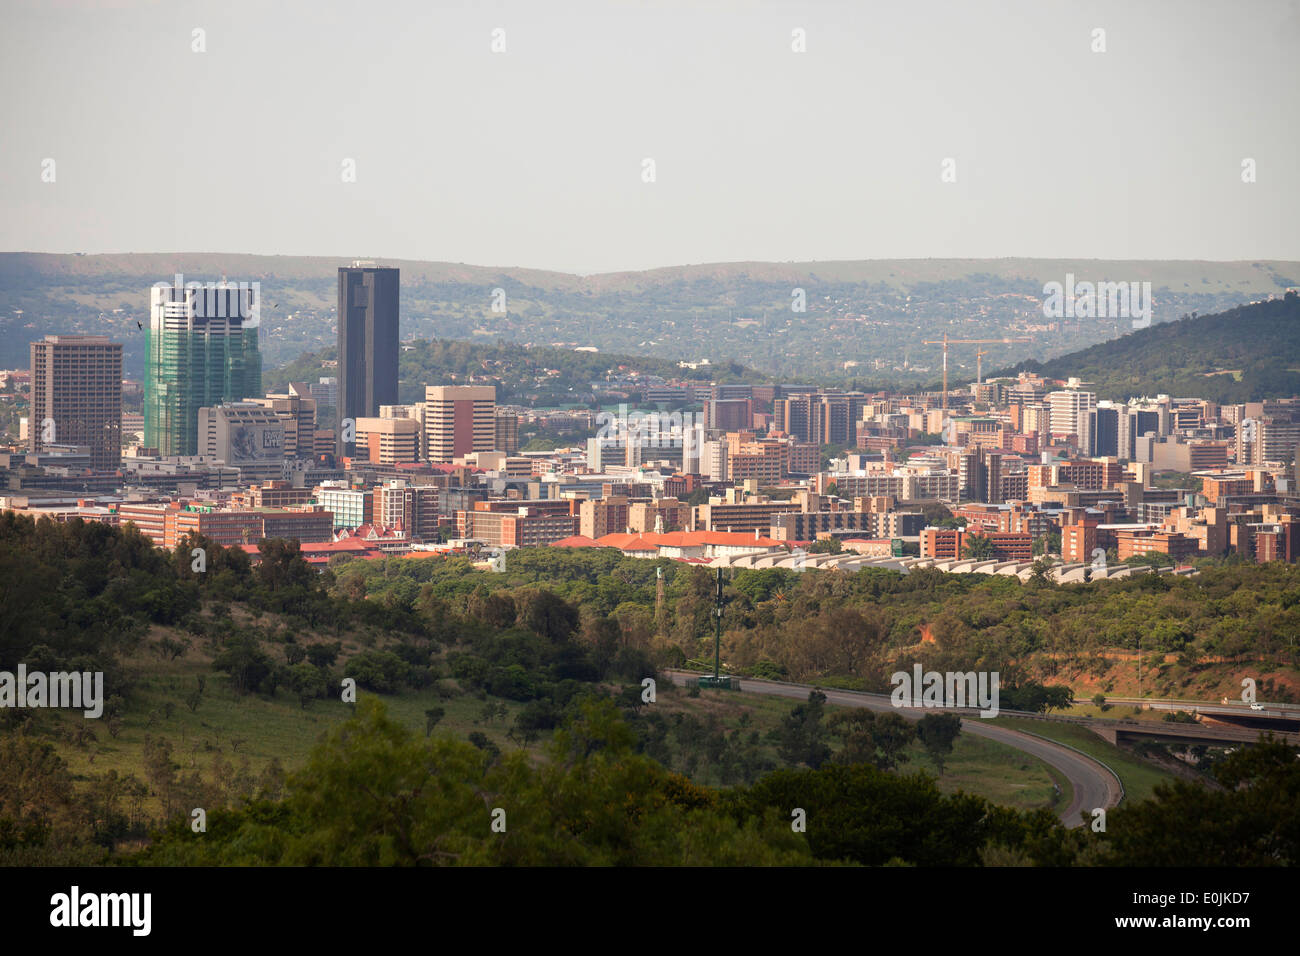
(1093, 785)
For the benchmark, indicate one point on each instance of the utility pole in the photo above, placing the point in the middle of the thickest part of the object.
(659, 600)
(717, 629)
(716, 679)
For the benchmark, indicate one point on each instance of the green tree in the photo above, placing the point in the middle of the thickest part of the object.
(246, 663)
(826, 546)
(307, 682)
(867, 737)
(938, 732)
(431, 718)
(1251, 821)
(802, 736)
(978, 546)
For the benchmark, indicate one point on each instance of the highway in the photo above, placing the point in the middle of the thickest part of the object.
(1094, 786)
(1212, 708)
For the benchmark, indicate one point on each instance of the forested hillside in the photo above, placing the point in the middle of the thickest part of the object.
(202, 669)
(1243, 355)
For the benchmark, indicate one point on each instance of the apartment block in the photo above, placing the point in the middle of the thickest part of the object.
(525, 527)
(414, 508)
(76, 396)
(662, 515)
(603, 516)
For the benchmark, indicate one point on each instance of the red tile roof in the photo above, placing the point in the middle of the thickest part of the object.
(648, 541)
(576, 541)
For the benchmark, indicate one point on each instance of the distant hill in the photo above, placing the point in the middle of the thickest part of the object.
(539, 375)
(865, 322)
(1243, 355)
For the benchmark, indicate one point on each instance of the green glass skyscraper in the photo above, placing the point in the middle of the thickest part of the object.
(201, 351)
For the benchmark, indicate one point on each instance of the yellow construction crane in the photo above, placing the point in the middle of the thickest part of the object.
(945, 342)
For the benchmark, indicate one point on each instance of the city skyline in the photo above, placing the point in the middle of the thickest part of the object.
(885, 453)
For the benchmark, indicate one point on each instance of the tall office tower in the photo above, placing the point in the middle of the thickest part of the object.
(693, 437)
(458, 420)
(507, 433)
(201, 351)
(1141, 422)
(1070, 410)
(367, 313)
(993, 474)
(77, 391)
(1109, 431)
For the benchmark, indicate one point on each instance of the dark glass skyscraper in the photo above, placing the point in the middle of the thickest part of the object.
(368, 300)
(1106, 434)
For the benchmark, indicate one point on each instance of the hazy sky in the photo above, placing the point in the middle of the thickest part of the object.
(534, 157)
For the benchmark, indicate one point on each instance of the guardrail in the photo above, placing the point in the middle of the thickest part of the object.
(975, 711)
(1098, 760)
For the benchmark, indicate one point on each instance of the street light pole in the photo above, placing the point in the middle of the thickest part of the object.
(717, 629)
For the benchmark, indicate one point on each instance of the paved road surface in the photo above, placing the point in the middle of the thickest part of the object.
(1094, 785)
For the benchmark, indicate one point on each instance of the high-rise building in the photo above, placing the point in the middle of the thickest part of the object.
(1275, 441)
(77, 396)
(1069, 409)
(201, 351)
(458, 420)
(1109, 434)
(368, 331)
(507, 433)
(798, 416)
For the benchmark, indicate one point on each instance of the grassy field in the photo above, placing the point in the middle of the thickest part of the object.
(1138, 776)
(253, 727)
(228, 728)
